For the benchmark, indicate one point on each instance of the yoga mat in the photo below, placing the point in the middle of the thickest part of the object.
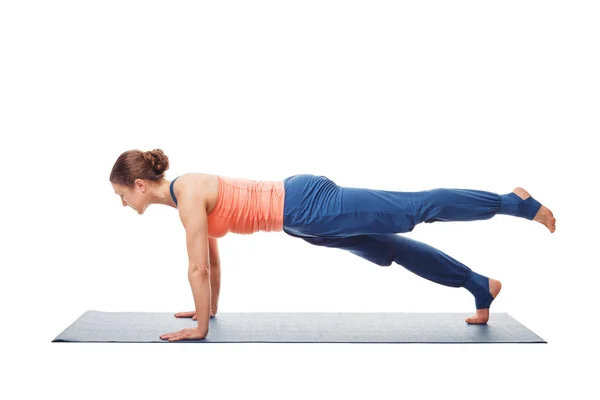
(300, 327)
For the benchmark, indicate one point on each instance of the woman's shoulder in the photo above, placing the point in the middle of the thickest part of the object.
(192, 178)
(199, 185)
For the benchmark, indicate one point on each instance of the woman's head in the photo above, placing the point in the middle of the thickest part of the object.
(137, 175)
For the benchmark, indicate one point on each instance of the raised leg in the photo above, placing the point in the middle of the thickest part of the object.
(318, 207)
(356, 211)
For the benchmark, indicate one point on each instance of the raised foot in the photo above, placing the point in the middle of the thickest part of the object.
(482, 315)
(544, 216)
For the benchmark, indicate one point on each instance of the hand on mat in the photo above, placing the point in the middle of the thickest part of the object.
(188, 333)
(188, 314)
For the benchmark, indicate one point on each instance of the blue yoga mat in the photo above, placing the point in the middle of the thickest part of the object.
(300, 327)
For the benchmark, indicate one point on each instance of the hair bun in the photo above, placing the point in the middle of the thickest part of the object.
(159, 161)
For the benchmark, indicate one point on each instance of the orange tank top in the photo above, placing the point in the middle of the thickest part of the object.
(246, 206)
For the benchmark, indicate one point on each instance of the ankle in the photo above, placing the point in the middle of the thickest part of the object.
(512, 204)
(479, 286)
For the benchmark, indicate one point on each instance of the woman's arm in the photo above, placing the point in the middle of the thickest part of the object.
(193, 216)
(215, 273)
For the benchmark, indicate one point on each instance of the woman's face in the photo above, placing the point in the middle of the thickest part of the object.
(131, 197)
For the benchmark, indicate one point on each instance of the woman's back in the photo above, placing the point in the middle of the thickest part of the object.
(238, 205)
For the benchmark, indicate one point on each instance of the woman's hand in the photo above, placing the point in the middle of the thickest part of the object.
(188, 333)
(192, 314)
(213, 311)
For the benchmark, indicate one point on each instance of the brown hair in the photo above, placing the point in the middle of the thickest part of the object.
(137, 164)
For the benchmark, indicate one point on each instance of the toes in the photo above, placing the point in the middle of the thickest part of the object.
(477, 319)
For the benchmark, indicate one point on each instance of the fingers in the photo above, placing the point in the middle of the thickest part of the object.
(185, 314)
(173, 335)
(181, 335)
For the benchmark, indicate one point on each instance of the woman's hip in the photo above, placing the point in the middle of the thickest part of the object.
(315, 206)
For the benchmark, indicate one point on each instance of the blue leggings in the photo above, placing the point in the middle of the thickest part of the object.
(366, 221)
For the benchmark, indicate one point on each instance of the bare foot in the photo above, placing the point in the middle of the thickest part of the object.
(544, 216)
(482, 315)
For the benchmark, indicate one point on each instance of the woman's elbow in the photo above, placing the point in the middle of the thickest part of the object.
(198, 270)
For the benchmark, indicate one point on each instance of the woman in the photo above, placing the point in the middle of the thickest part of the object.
(317, 210)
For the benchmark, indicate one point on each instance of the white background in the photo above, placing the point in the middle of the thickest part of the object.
(391, 95)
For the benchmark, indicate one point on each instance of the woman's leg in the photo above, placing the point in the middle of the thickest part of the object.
(419, 258)
(326, 209)
(471, 205)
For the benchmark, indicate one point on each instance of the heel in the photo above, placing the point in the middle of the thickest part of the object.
(479, 286)
(512, 204)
